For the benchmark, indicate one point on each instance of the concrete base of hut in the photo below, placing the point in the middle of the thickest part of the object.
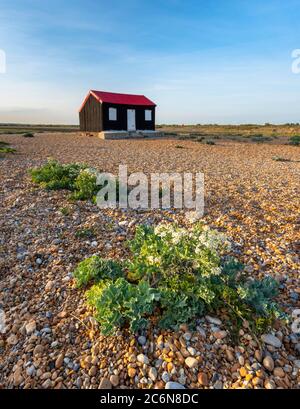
(124, 134)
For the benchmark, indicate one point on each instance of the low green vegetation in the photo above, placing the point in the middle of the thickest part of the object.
(78, 178)
(259, 138)
(75, 177)
(5, 148)
(179, 273)
(85, 185)
(295, 140)
(2, 144)
(84, 233)
(28, 135)
(280, 159)
(20, 129)
(65, 211)
(200, 139)
(95, 269)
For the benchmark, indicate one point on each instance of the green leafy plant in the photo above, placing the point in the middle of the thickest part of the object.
(54, 175)
(120, 303)
(95, 269)
(295, 140)
(75, 177)
(85, 185)
(7, 149)
(193, 274)
(181, 274)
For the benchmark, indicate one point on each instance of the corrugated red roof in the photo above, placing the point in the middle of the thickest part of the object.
(116, 98)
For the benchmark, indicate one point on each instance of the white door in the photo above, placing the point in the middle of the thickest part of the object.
(131, 120)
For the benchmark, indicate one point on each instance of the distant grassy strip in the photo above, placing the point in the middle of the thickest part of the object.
(21, 129)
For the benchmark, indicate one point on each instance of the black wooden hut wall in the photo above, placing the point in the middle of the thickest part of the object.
(94, 116)
(121, 123)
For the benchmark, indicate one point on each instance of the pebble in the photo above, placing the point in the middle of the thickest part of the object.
(39, 349)
(279, 372)
(218, 385)
(49, 285)
(174, 385)
(12, 339)
(142, 340)
(243, 372)
(268, 363)
(192, 351)
(93, 371)
(229, 355)
(213, 320)
(269, 384)
(187, 336)
(297, 363)
(202, 379)
(30, 327)
(46, 330)
(153, 373)
(220, 334)
(132, 358)
(59, 361)
(202, 332)
(30, 371)
(114, 380)
(18, 378)
(191, 362)
(47, 384)
(105, 384)
(131, 372)
(258, 355)
(143, 359)
(271, 340)
(165, 377)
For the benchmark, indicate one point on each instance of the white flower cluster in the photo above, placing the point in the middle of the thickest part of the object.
(204, 237)
(88, 171)
(212, 239)
(174, 232)
(155, 261)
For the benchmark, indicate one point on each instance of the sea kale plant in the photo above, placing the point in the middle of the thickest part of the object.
(95, 269)
(75, 177)
(181, 274)
(78, 178)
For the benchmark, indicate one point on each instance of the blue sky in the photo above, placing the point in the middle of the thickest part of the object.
(218, 61)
